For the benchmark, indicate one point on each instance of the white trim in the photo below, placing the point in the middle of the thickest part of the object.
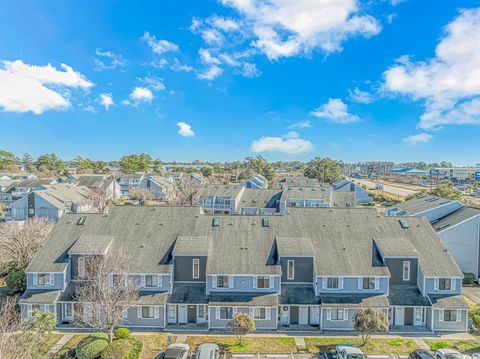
(403, 271)
(292, 277)
(197, 262)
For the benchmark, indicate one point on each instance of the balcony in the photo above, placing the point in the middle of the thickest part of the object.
(216, 206)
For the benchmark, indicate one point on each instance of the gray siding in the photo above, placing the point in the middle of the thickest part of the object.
(303, 267)
(420, 278)
(395, 265)
(338, 324)
(259, 324)
(166, 281)
(449, 326)
(58, 282)
(350, 285)
(244, 284)
(429, 287)
(134, 321)
(183, 268)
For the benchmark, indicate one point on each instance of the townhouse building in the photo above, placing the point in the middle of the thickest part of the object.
(361, 195)
(126, 181)
(161, 187)
(105, 183)
(310, 270)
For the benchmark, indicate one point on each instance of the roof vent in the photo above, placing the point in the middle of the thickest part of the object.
(216, 222)
(404, 223)
(265, 222)
(81, 221)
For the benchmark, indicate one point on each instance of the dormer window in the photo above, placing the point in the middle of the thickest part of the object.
(444, 284)
(368, 283)
(43, 279)
(223, 281)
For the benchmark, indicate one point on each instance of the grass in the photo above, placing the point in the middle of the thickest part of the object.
(463, 346)
(67, 351)
(373, 346)
(49, 342)
(153, 344)
(250, 345)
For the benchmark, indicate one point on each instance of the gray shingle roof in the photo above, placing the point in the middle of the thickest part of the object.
(354, 300)
(258, 198)
(243, 298)
(191, 245)
(402, 247)
(39, 296)
(456, 217)
(188, 293)
(152, 298)
(408, 295)
(298, 294)
(222, 190)
(59, 194)
(91, 244)
(306, 193)
(422, 203)
(449, 301)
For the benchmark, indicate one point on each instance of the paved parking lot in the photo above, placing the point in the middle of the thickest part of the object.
(298, 356)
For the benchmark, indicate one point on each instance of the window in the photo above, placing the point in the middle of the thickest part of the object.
(226, 312)
(151, 281)
(201, 311)
(291, 269)
(337, 314)
(260, 313)
(332, 283)
(196, 268)
(81, 267)
(449, 315)
(444, 284)
(406, 270)
(31, 211)
(368, 283)
(43, 279)
(263, 282)
(148, 312)
(223, 281)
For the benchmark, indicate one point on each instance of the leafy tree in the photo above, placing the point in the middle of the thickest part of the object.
(368, 321)
(28, 162)
(325, 170)
(136, 163)
(445, 189)
(260, 166)
(7, 161)
(49, 162)
(157, 166)
(241, 324)
(83, 165)
(16, 281)
(207, 171)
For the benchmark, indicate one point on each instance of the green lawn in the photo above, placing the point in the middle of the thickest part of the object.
(49, 342)
(67, 349)
(373, 346)
(464, 346)
(250, 345)
(153, 344)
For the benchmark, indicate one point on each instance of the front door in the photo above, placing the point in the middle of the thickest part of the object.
(171, 314)
(192, 313)
(303, 315)
(419, 316)
(409, 316)
(315, 315)
(399, 316)
(284, 315)
(182, 314)
(67, 312)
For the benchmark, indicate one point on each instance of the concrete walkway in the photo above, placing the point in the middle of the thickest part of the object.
(421, 343)
(300, 343)
(59, 345)
(181, 339)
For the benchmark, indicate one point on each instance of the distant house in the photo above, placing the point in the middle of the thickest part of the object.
(361, 195)
(162, 187)
(257, 181)
(104, 182)
(52, 202)
(299, 181)
(176, 176)
(18, 189)
(197, 178)
(129, 180)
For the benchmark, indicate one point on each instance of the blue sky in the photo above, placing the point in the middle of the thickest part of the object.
(221, 80)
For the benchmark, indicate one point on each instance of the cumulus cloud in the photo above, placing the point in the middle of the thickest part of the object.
(414, 140)
(290, 143)
(153, 83)
(301, 125)
(31, 88)
(106, 100)
(185, 130)
(210, 73)
(107, 60)
(138, 96)
(449, 83)
(359, 96)
(159, 46)
(335, 110)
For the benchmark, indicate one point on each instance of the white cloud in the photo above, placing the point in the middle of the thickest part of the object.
(138, 96)
(178, 66)
(289, 143)
(414, 140)
(207, 58)
(282, 28)
(106, 100)
(107, 60)
(185, 130)
(153, 83)
(250, 70)
(449, 83)
(210, 74)
(335, 110)
(159, 46)
(301, 125)
(30, 88)
(360, 96)
(396, 2)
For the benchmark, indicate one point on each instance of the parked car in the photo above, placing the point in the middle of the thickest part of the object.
(208, 351)
(175, 351)
(420, 354)
(446, 353)
(345, 351)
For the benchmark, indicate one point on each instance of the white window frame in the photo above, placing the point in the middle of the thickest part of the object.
(228, 281)
(228, 309)
(444, 279)
(196, 263)
(46, 284)
(337, 311)
(291, 265)
(406, 270)
(369, 280)
(263, 277)
(152, 275)
(337, 279)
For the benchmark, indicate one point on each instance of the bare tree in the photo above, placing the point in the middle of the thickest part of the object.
(190, 192)
(23, 338)
(141, 194)
(100, 198)
(106, 292)
(19, 241)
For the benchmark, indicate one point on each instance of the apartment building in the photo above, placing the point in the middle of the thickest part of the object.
(310, 270)
(458, 173)
(126, 181)
(162, 187)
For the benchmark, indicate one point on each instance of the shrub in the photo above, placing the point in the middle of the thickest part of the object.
(16, 281)
(92, 346)
(123, 349)
(122, 333)
(468, 278)
(394, 343)
(438, 345)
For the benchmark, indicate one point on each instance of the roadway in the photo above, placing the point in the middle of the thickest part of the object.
(393, 189)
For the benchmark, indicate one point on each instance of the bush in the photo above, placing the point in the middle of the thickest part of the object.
(122, 333)
(468, 278)
(16, 281)
(438, 345)
(123, 349)
(92, 346)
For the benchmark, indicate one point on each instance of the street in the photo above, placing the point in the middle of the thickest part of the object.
(393, 189)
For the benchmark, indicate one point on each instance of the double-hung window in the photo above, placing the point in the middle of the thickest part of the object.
(406, 270)
(260, 313)
(43, 279)
(151, 281)
(223, 281)
(148, 312)
(263, 282)
(333, 283)
(226, 312)
(196, 268)
(368, 283)
(444, 284)
(450, 315)
(337, 314)
(291, 269)
(81, 267)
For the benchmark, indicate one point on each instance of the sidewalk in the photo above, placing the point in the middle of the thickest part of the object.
(59, 345)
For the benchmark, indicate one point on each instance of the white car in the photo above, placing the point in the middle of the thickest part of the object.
(450, 354)
(345, 351)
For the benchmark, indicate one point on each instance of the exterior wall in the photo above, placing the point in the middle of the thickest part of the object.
(441, 211)
(259, 324)
(134, 321)
(351, 285)
(45, 209)
(395, 265)
(303, 269)
(44, 308)
(58, 282)
(244, 284)
(430, 287)
(459, 326)
(462, 242)
(20, 209)
(335, 324)
(183, 268)
(165, 287)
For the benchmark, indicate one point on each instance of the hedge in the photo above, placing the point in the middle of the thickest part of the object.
(91, 346)
(130, 348)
